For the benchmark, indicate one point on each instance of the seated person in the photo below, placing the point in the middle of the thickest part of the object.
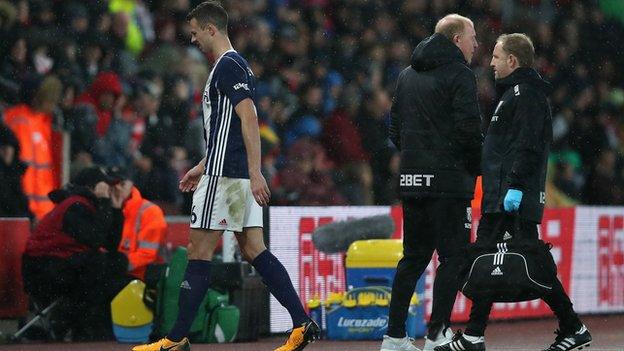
(72, 254)
(144, 226)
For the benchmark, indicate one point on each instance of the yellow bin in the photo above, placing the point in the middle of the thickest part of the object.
(373, 262)
(132, 320)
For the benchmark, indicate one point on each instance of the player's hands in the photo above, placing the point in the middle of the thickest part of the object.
(259, 188)
(191, 179)
(116, 196)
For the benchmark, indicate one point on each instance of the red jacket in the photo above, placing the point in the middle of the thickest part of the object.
(105, 82)
(48, 238)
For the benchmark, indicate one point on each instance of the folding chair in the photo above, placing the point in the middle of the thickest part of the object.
(42, 316)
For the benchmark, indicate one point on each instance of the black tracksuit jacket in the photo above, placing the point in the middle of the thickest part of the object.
(517, 143)
(435, 123)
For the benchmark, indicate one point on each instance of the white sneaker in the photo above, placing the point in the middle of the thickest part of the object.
(398, 344)
(445, 335)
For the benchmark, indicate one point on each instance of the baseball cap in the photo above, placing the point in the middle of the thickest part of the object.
(118, 174)
(90, 176)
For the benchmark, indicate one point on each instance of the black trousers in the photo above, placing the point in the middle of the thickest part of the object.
(86, 283)
(430, 224)
(557, 299)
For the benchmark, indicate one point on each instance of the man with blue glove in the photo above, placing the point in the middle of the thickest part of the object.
(514, 159)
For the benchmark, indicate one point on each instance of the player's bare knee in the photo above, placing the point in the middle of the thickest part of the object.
(250, 252)
(199, 254)
(199, 251)
(245, 255)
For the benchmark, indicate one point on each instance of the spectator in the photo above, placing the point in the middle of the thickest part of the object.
(144, 226)
(306, 181)
(307, 60)
(343, 142)
(72, 254)
(32, 125)
(102, 95)
(13, 202)
(305, 122)
(80, 121)
(76, 18)
(112, 132)
(155, 176)
(567, 176)
(373, 124)
(14, 71)
(93, 57)
(602, 187)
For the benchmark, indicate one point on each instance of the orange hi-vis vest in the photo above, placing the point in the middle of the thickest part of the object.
(478, 194)
(143, 233)
(34, 131)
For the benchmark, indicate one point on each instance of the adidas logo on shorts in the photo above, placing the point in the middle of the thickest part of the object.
(223, 222)
(497, 271)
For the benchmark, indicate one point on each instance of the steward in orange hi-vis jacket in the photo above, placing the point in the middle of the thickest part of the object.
(144, 227)
(32, 125)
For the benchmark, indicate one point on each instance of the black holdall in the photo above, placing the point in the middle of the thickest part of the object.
(509, 270)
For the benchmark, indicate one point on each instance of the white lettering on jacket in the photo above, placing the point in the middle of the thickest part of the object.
(416, 179)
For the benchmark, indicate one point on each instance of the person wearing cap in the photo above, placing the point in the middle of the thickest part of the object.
(144, 226)
(72, 255)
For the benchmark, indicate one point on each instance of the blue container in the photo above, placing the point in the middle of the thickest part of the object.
(357, 323)
(132, 335)
(373, 263)
(363, 277)
(371, 322)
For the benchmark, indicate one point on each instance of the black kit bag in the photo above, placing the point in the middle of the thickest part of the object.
(510, 270)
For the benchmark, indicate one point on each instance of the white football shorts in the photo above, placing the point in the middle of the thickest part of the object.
(222, 203)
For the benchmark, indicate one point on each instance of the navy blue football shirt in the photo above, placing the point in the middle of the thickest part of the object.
(230, 82)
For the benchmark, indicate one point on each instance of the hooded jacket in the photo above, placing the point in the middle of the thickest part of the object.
(105, 82)
(517, 143)
(78, 223)
(435, 122)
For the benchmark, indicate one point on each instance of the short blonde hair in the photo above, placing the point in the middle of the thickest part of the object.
(49, 91)
(452, 25)
(519, 45)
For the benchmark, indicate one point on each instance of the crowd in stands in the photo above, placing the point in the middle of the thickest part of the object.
(121, 77)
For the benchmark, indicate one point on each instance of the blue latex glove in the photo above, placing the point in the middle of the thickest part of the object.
(512, 200)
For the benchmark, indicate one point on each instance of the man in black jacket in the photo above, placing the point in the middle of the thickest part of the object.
(515, 155)
(436, 126)
(72, 254)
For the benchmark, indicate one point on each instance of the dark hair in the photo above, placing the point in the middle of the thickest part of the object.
(519, 45)
(210, 12)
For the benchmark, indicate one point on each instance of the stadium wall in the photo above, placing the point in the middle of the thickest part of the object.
(588, 246)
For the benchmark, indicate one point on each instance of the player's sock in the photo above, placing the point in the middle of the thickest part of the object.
(192, 292)
(278, 281)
